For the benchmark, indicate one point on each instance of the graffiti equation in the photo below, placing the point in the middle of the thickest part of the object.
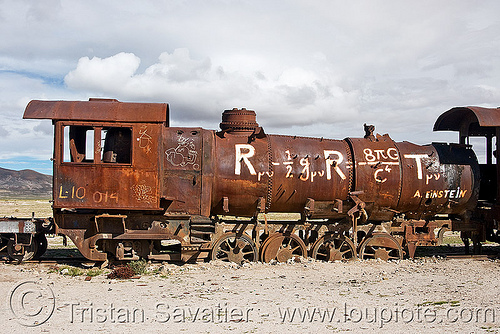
(381, 161)
(333, 165)
(332, 161)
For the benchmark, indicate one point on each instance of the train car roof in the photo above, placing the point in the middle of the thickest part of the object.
(467, 119)
(106, 110)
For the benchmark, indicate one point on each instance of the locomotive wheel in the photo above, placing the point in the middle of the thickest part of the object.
(41, 239)
(333, 248)
(235, 249)
(283, 247)
(22, 253)
(381, 246)
(440, 235)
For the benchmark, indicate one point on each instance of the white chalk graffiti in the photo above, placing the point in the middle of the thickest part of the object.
(377, 155)
(184, 154)
(418, 160)
(383, 158)
(379, 178)
(448, 193)
(380, 161)
(243, 153)
(335, 163)
(144, 139)
(144, 193)
(435, 176)
(243, 156)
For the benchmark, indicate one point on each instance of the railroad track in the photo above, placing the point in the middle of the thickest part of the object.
(55, 260)
(479, 257)
(86, 263)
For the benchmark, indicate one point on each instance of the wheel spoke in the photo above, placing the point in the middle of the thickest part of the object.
(345, 252)
(233, 248)
(229, 245)
(246, 253)
(382, 246)
(333, 248)
(282, 247)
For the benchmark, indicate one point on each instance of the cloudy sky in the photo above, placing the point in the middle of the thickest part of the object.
(314, 68)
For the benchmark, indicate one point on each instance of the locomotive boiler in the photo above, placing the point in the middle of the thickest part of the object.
(126, 186)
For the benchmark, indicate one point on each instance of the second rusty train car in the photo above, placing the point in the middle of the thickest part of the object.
(129, 186)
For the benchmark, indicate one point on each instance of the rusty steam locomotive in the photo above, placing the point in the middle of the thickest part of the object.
(126, 186)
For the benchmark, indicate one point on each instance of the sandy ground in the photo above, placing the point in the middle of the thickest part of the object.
(23, 208)
(429, 294)
(424, 295)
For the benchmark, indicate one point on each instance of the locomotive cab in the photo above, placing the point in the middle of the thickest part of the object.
(473, 122)
(106, 171)
(100, 162)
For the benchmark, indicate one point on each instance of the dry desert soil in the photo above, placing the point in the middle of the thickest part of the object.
(430, 294)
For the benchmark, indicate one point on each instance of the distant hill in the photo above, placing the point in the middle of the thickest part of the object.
(24, 184)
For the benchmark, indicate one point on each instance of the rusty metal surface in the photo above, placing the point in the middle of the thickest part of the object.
(278, 173)
(98, 110)
(333, 248)
(237, 166)
(432, 186)
(378, 175)
(182, 161)
(380, 246)
(238, 120)
(297, 174)
(235, 248)
(95, 236)
(98, 183)
(255, 172)
(283, 247)
(308, 168)
(125, 183)
(456, 118)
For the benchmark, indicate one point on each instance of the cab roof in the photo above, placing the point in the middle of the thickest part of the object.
(106, 110)
(472, 121)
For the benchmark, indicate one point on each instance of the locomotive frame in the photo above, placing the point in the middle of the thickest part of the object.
(127, 186)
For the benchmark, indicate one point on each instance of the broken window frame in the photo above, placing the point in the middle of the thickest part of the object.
(78, 139)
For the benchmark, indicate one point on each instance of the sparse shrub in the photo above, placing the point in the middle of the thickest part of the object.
(92, 272)
(71, 271)
(139, 267)
(122, 272)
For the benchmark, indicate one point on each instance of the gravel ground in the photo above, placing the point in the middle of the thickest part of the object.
(428, 294)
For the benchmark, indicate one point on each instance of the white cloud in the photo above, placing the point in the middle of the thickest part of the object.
(198, 89)
(3, 132)
(102, 74)
(312, 68)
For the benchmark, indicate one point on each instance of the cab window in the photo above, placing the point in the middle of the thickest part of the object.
(93, 144)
